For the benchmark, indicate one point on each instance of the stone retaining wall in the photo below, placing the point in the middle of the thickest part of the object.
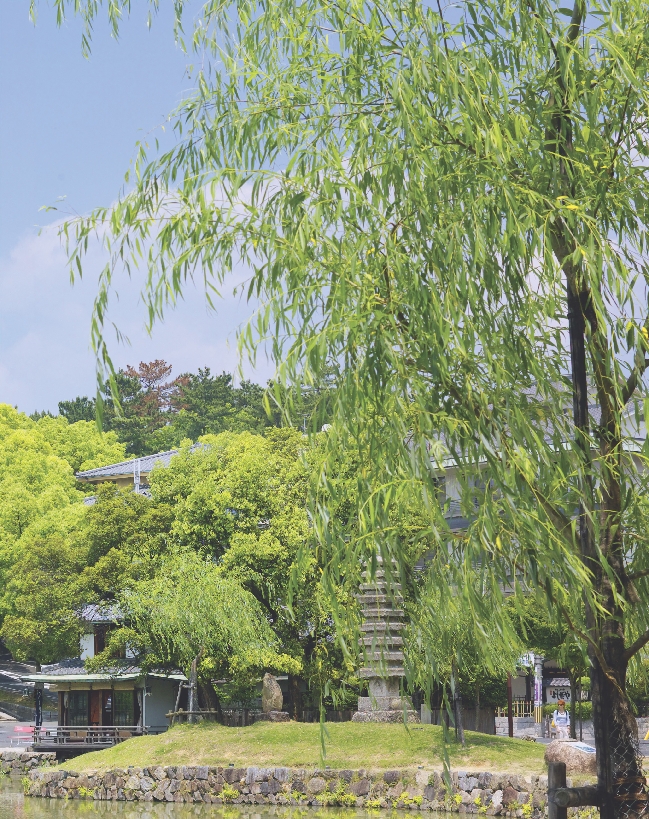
(490, 794)
(21, 761)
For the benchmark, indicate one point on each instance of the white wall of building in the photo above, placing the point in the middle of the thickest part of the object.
(87, 646)
(160, 701)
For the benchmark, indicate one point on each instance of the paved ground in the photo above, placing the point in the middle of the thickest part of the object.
(9, 736)
(10, 673)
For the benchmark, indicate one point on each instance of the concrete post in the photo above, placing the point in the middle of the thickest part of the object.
(538, 688)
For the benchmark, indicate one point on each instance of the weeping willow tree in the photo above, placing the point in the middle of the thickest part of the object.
(447, 209)
(189, 616)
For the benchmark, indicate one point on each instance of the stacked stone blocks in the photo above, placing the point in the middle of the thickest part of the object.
(13, 762)
(483, 793)
(381, 645)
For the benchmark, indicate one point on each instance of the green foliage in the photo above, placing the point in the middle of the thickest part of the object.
(445, 647)
(41, 510)
(414, 197)
(528, 807)
(228, 793)
(188, 608)
(242, 500)
(39, 601)
(339, 796)
(586, 709)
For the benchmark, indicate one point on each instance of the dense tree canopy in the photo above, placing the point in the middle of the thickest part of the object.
(235, 504)
(41, 506)
(156, 412)
(189, 609)
(424, 204)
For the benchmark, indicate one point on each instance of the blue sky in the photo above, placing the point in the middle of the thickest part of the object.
(68, 127)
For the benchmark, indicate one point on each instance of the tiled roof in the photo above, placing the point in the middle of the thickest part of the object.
(76, 666)
(146, 463)
(99, 613)
(127, 467)
(74, 671)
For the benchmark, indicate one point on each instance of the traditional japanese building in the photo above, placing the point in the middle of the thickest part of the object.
(99, 709)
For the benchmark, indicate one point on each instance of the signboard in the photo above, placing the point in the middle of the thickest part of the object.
(554, 693)
(581, 746)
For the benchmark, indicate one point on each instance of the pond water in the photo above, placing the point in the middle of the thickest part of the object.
(13, 805)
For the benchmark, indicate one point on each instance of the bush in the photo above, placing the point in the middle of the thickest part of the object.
(586, 709)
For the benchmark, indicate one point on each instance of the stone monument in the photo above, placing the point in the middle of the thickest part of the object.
(272, 701)
(382, 646)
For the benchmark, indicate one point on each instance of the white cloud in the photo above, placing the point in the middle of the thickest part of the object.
(45, 327)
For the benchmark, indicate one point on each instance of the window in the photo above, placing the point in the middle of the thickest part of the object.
(106, 708)
(100, 639)
(123, 708)
(78, 708)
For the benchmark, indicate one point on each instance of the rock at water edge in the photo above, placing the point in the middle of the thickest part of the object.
(579, 757)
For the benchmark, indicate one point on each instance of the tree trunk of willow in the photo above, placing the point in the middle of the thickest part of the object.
(573, 705)
(619, 765)
(193, 689)
(457, 704)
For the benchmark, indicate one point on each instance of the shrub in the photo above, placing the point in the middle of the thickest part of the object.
(372, 804)
(528, 808)
(586, 709)
(228, 794)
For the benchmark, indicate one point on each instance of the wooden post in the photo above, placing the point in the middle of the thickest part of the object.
(556, 779)
(581, 722)
(510, 714)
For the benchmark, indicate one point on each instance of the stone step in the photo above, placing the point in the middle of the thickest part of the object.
(383, 642)
(390, 671)
(376, 612)
(382, 627)
(386, 657)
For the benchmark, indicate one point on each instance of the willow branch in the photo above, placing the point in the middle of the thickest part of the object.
(637, 575)
(636, 646)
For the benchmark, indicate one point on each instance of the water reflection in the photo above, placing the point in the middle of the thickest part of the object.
(13, 805)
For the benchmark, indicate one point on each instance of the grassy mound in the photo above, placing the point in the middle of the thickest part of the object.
(298, 745)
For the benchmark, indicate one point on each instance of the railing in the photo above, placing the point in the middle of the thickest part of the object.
(181, 717)
(97, 735)
(520, 708)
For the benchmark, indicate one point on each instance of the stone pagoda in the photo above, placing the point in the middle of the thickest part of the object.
(381, 644)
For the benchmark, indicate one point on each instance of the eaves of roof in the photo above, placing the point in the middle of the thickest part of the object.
(126, 469)
(55, 679)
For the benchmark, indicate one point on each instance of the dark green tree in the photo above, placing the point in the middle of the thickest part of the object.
(81, 408)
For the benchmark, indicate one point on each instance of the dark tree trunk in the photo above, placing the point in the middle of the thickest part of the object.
(296, 696)
(573, 705)
(510, 709)
(193, 689)
(581, 721)
(477, 706)
(457, 705)
(619, 765)
(210, 698)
